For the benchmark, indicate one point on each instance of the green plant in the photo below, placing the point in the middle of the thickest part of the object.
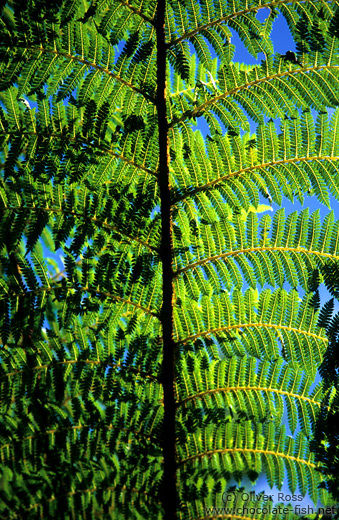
(326, 431)
(158, 363)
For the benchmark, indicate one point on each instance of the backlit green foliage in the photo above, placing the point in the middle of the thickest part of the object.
(80, 234)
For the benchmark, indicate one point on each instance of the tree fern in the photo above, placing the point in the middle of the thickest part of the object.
(160, 331)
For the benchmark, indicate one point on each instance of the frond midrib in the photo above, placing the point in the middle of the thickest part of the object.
(247, 450)
(255, 325)
(191, 113)
(98, 222)
(44, 288)
(249, 169)
(191, 33)
(79, 427)
(88, 63)
(78, 141)
(85, 362)
(200, 395)
(136, 11)
(253, 250)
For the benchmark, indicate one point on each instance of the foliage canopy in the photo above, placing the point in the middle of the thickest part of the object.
(162, 360)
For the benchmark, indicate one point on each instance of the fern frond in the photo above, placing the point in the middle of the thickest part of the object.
(145, 286)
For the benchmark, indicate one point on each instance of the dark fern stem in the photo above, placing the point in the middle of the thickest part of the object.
(168, 365)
